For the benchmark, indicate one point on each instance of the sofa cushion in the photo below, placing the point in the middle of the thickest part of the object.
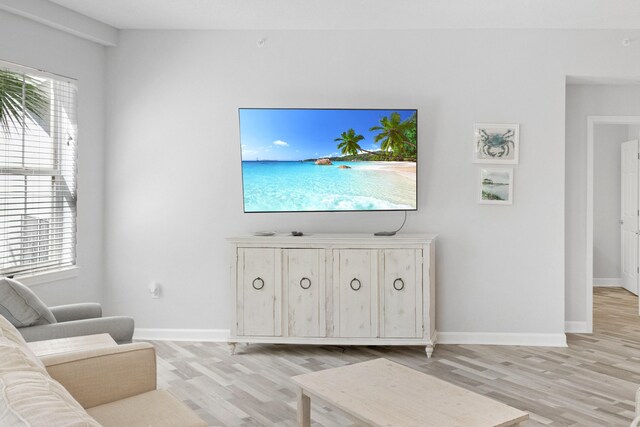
(14, 358)
(15, 353)
(156, 408)
(30, 398)
(28, 395)
(21, 306)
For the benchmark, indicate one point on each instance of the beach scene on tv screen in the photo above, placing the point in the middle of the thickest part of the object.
(328, 160)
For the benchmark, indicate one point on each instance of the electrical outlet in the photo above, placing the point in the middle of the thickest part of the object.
(154, 289)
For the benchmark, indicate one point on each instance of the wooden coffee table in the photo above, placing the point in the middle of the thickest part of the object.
(384, 393)
(64, 345)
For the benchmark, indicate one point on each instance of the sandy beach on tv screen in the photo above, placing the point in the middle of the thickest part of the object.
(406, 169)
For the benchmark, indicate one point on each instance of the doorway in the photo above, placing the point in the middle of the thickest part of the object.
(627, 221)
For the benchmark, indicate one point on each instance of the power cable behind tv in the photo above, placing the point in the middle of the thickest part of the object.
(391, 233)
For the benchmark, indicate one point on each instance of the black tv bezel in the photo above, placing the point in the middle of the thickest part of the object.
(331, 109)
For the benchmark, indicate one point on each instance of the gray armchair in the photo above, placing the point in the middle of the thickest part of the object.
(73, 320)
(37, 322)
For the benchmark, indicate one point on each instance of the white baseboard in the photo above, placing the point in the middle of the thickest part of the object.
(499, 338)
(574, 327)
(481, 338)
(207, 335)
(611, 282)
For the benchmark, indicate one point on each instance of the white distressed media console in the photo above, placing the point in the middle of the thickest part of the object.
(334, 289)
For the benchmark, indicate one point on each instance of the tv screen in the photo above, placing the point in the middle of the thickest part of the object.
(296, 160)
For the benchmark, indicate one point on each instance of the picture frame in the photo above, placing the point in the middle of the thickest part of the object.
(496, 143)
(495, 186)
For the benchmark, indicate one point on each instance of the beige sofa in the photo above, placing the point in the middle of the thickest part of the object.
(110, 387)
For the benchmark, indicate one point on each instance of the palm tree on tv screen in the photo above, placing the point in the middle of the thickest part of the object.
(20, 96)
(349, 142)
(396, 135)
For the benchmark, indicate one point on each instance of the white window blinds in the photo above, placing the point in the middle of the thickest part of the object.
(38, 129)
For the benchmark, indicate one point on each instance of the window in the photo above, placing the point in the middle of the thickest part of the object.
(38, 128)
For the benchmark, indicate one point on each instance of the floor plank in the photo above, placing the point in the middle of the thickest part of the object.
(590, 383)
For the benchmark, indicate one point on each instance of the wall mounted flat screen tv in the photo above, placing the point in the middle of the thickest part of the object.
(320, 160)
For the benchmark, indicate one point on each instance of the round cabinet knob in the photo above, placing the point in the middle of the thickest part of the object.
(355, 284)
(398, 284)
(305, 283)
(257, 283)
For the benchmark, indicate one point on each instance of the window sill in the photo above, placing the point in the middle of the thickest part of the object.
(49, 276)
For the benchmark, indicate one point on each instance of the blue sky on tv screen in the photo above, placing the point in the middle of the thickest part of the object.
(290, 134)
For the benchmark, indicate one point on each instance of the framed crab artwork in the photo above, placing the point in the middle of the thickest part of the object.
(496, 143)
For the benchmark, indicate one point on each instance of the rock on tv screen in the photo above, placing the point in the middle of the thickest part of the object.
(320, 160)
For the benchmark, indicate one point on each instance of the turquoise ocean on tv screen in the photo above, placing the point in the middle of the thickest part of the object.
(304, 186)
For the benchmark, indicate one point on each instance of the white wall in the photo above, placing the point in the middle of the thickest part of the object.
(173, 189)
(606, 200)
(34, 45)
(583, 101)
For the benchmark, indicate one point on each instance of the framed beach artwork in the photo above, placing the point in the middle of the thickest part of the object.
(496, 186)
(496, 143)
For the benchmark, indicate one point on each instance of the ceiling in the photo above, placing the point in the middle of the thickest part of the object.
(360, 14)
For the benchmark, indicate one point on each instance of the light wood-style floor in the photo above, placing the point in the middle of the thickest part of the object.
(590, 383)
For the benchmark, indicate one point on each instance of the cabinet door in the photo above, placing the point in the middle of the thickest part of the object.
(356, 292)
(259, 292)
(401, 293)
(305, 288)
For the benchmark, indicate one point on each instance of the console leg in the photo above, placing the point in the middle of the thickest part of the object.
(232, 348)
(429, 350)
